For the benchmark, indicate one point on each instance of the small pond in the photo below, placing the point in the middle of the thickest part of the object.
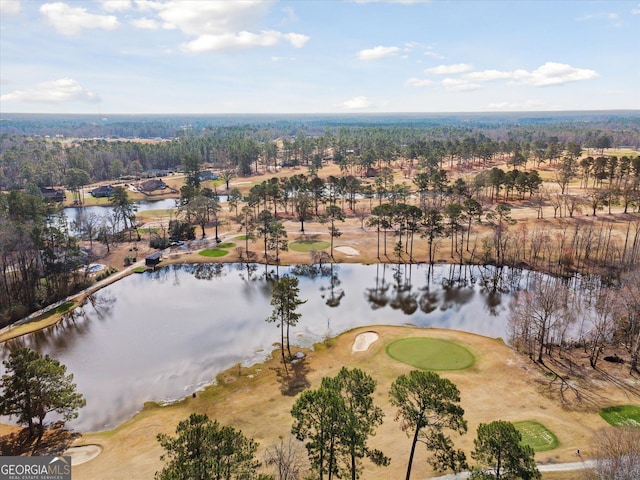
(74, 213)
(164, 334)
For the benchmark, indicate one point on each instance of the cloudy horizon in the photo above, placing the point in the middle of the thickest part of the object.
(266, 56)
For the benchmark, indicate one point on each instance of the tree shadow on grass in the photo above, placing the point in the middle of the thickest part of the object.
(294, 380)
(570, 384)
(53, 442)
(631, 389)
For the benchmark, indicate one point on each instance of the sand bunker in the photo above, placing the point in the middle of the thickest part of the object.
(83, 453)
(348, 250)
(364, 341)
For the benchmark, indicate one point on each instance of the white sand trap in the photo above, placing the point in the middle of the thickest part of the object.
(348, 250)
(83, 453)
(364, 341)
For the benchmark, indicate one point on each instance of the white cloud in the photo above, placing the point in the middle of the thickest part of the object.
(145, 23)
(69, 20)
(59, 91)
(459, 85)
(218, 26)
(9, 7)
(552, 73)
(488, 75)
(612, 18)
(636, 11)
(449, 69)
(615, 20)
(115, 5)
(428, 49)
(376, 53)
(296, 39)
(510, 106)
(357, 103)
(435, 55)
(242, 40)
(402, 2)
(213, 18)
(289, 15)
(420, 82)
(148, 5)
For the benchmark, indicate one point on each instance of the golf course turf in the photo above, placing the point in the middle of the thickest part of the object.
(213, 252)
(308, 246)
(430, 353)
(536, 435)
(620, 415)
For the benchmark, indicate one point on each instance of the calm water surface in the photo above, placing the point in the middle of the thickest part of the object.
(160, 336)
(75, 213)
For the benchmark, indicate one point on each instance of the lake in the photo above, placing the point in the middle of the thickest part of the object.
(74, 213)
(162, 335)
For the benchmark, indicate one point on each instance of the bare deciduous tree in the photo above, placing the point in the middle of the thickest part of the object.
(287, 458)
(618, 454)
(539, 316)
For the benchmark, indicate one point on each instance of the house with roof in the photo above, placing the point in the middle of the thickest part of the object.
(207, 175)
(152, 185)
(153, 259)
(53, 194)
(102, 191)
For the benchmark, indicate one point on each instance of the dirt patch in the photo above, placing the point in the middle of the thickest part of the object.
(364, 341)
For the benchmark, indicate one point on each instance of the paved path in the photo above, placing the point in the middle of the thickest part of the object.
(195, 246)
(547, 467)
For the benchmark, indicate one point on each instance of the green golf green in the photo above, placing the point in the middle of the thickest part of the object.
(213, 252)
(430, 353)
(621, 415)
(308, 246)
(536, 435)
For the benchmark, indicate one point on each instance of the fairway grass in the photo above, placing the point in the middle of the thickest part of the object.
(430, 353)
(536, 435)
(622, 415)
(308, 246)
(62, 308)
(226, 245)
(213, 252)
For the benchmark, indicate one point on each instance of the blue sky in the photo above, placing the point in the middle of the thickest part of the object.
(306, 56)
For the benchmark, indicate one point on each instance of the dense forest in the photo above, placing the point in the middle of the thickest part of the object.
(75, 151)
(408, 177)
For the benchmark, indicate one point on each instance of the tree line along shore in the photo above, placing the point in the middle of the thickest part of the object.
(563, 202)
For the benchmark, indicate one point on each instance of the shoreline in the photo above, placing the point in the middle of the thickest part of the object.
(233, 397)
(33, 323)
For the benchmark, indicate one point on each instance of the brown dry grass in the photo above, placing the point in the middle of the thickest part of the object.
(501, 385)
(357, 235)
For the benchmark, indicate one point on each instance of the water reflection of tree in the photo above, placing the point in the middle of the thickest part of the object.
(162, 274)
(252, 281)
(335, 294)
(247, 271)
(404, 299)
(206, 271)
(378, 295)
(428, 300)
(455, 296)
(494, 283)
(74, 325)
(310, 270)
(102, 304)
